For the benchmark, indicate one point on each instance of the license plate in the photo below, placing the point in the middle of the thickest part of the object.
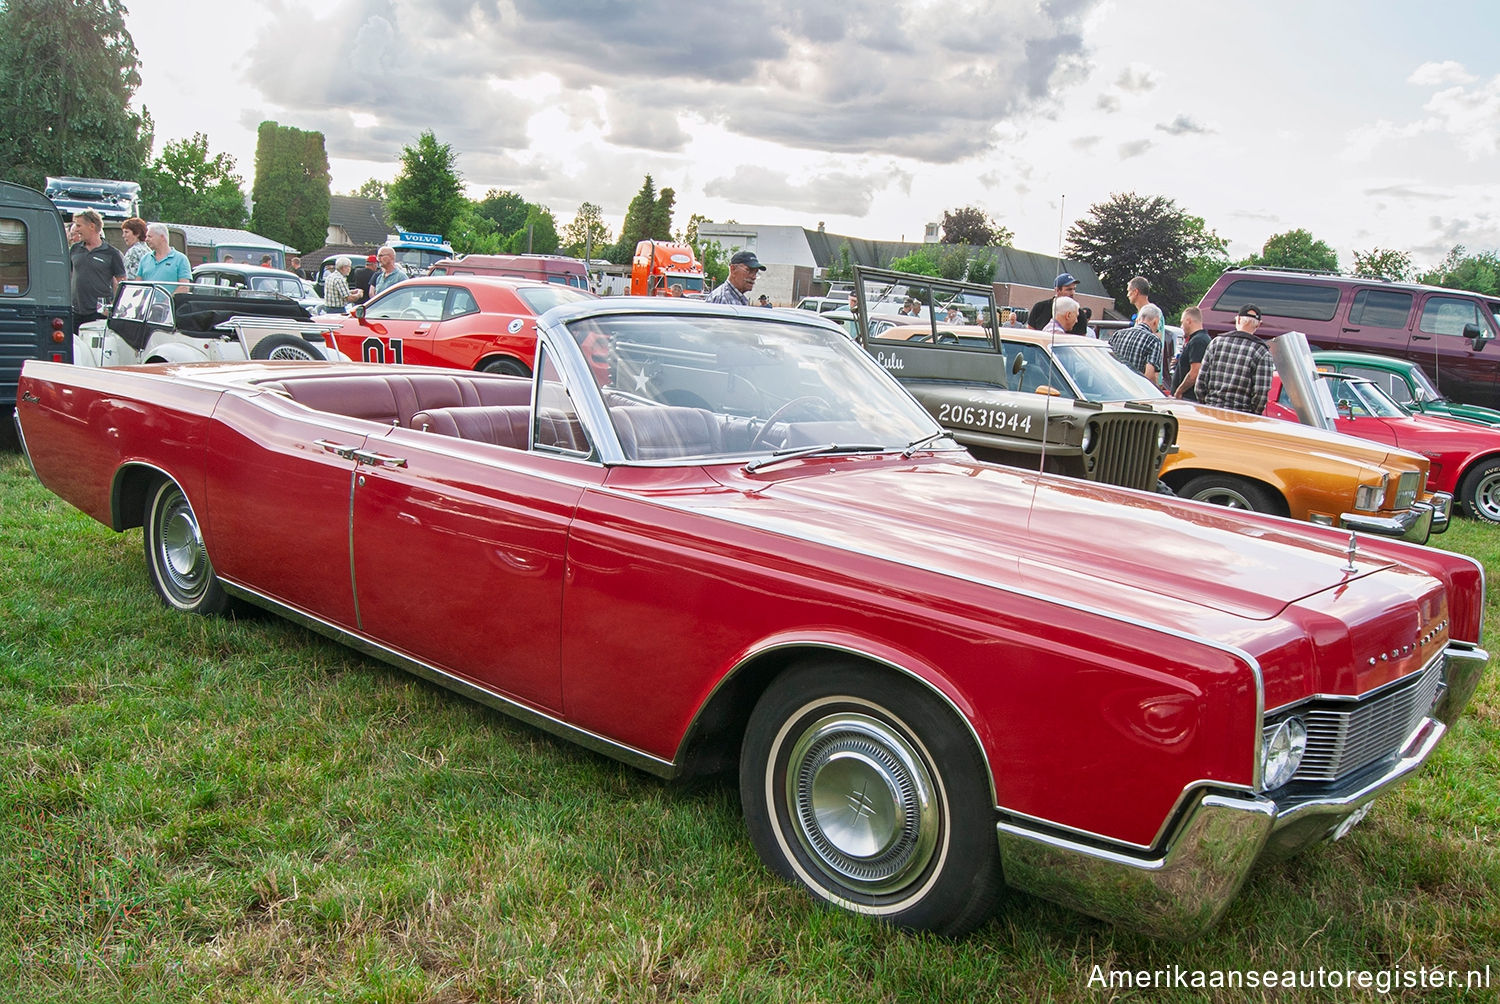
(1350, 820)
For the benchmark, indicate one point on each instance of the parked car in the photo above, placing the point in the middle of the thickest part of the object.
(1245, 461)
(469, 322)
(958, 375)
(932, 676)
(36, 292)
(541, 267)
(151, 323)
(260, 278)
(1465, 457)
(1444, 330)
(1406, 383)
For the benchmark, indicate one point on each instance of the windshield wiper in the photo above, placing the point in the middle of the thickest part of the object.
(822, 449)
(917, 444)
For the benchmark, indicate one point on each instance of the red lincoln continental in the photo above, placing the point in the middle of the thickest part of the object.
(469, 322)
(706, 538)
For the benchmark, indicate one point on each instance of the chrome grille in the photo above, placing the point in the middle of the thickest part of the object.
(1406, 489)
(1342, 740)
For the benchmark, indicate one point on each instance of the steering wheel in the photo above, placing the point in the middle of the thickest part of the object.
(760, 434)
(411, 314)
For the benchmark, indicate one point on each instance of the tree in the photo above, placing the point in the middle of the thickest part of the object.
(1131, 235)
(291, 186)
(644, 220)
(1383, 263)
(428, 193)
(922, 261)
(715, 262)
(972, 225)
(1478, 273)
(587, 234)
(471, 232)
(68, 72)
(1297, 249)
(843, 268)
(538, 235)
(185, 185)
(506, 209)
(373, 188)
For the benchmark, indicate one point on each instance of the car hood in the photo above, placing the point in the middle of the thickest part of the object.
(1137, 553)
(1197, 419)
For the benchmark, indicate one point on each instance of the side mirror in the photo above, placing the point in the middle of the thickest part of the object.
(1017, 364)
(1480, 337)
(1346, 408)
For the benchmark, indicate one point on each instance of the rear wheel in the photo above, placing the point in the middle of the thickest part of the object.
(1233, 493)
(1479, 494)
(507, 367)
(286, 347)
(176, 560)
(866, 790)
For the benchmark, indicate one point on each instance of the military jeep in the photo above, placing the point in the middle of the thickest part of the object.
(960, 374)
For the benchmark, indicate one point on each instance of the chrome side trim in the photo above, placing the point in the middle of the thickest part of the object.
(1466, 663)
(1190, 791)
(537, 719)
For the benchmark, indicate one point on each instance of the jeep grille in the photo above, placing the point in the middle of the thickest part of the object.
(1128, 449)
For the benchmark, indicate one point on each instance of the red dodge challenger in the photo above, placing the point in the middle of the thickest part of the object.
(467, 322)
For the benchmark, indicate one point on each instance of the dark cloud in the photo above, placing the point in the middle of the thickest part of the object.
(930, 82)
(1183, 125)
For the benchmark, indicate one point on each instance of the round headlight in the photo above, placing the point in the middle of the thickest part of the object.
(1161, 438)
(1281, 752)
(1088, 437)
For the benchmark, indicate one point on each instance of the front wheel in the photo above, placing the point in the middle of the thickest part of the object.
(176, 560)
(866, 790)
(1479, 494)
(1233, 493)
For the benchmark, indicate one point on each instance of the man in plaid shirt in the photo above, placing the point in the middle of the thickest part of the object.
(336, 286)
(1237, 368)
(1138, 346)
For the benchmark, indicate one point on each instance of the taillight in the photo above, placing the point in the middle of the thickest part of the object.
(57, 329)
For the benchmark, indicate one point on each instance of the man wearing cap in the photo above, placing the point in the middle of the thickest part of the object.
(359, 278)
(1041, 311)
(1237, 368)
(744, 269)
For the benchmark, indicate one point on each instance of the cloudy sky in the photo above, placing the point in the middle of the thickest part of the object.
(1372, 123)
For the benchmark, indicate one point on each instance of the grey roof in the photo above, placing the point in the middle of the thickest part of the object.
(362, 219)
(206, 236)
(1028, 268)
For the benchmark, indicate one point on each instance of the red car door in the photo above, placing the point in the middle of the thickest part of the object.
(409, 312)
(459, 552)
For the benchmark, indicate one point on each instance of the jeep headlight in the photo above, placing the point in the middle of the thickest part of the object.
(1281, 752)
(1367, 498)
(1087, 442)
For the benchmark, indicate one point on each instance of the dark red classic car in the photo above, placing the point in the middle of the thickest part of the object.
(710, 538)
(468, 322)
(1465, 456)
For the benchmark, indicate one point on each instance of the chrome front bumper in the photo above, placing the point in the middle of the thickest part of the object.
(1184, 891)
(1424, 518)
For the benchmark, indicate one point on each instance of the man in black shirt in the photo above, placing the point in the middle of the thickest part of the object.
(1041, 311)
(97, 268)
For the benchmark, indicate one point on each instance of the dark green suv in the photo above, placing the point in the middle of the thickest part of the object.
(36, 297)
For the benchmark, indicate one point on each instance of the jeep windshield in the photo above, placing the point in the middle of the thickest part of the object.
(711, 386)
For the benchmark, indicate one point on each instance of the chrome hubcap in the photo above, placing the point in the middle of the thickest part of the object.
(181, 547)
(864, 802)
(1227, 497)
(1487, 496)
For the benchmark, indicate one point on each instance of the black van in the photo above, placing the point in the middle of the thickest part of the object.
(1444, 330)
(36, 296)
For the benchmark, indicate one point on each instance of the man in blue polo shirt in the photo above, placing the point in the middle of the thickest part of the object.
(165, 263)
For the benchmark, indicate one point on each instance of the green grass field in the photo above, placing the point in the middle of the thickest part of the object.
(238, 810)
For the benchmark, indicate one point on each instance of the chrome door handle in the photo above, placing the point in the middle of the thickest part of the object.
(337, 449)
(378, 459)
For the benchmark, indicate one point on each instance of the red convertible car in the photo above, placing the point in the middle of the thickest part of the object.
(707, 539)
(1465, 456)
(468, 322)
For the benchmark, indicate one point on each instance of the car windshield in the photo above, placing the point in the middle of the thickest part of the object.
(1100, 376)
(286, 285)
(1364, 398)
(710, 386)
(1426, 390)
(540, 299)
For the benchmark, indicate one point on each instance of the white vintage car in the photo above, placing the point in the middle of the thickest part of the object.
(181, 322)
